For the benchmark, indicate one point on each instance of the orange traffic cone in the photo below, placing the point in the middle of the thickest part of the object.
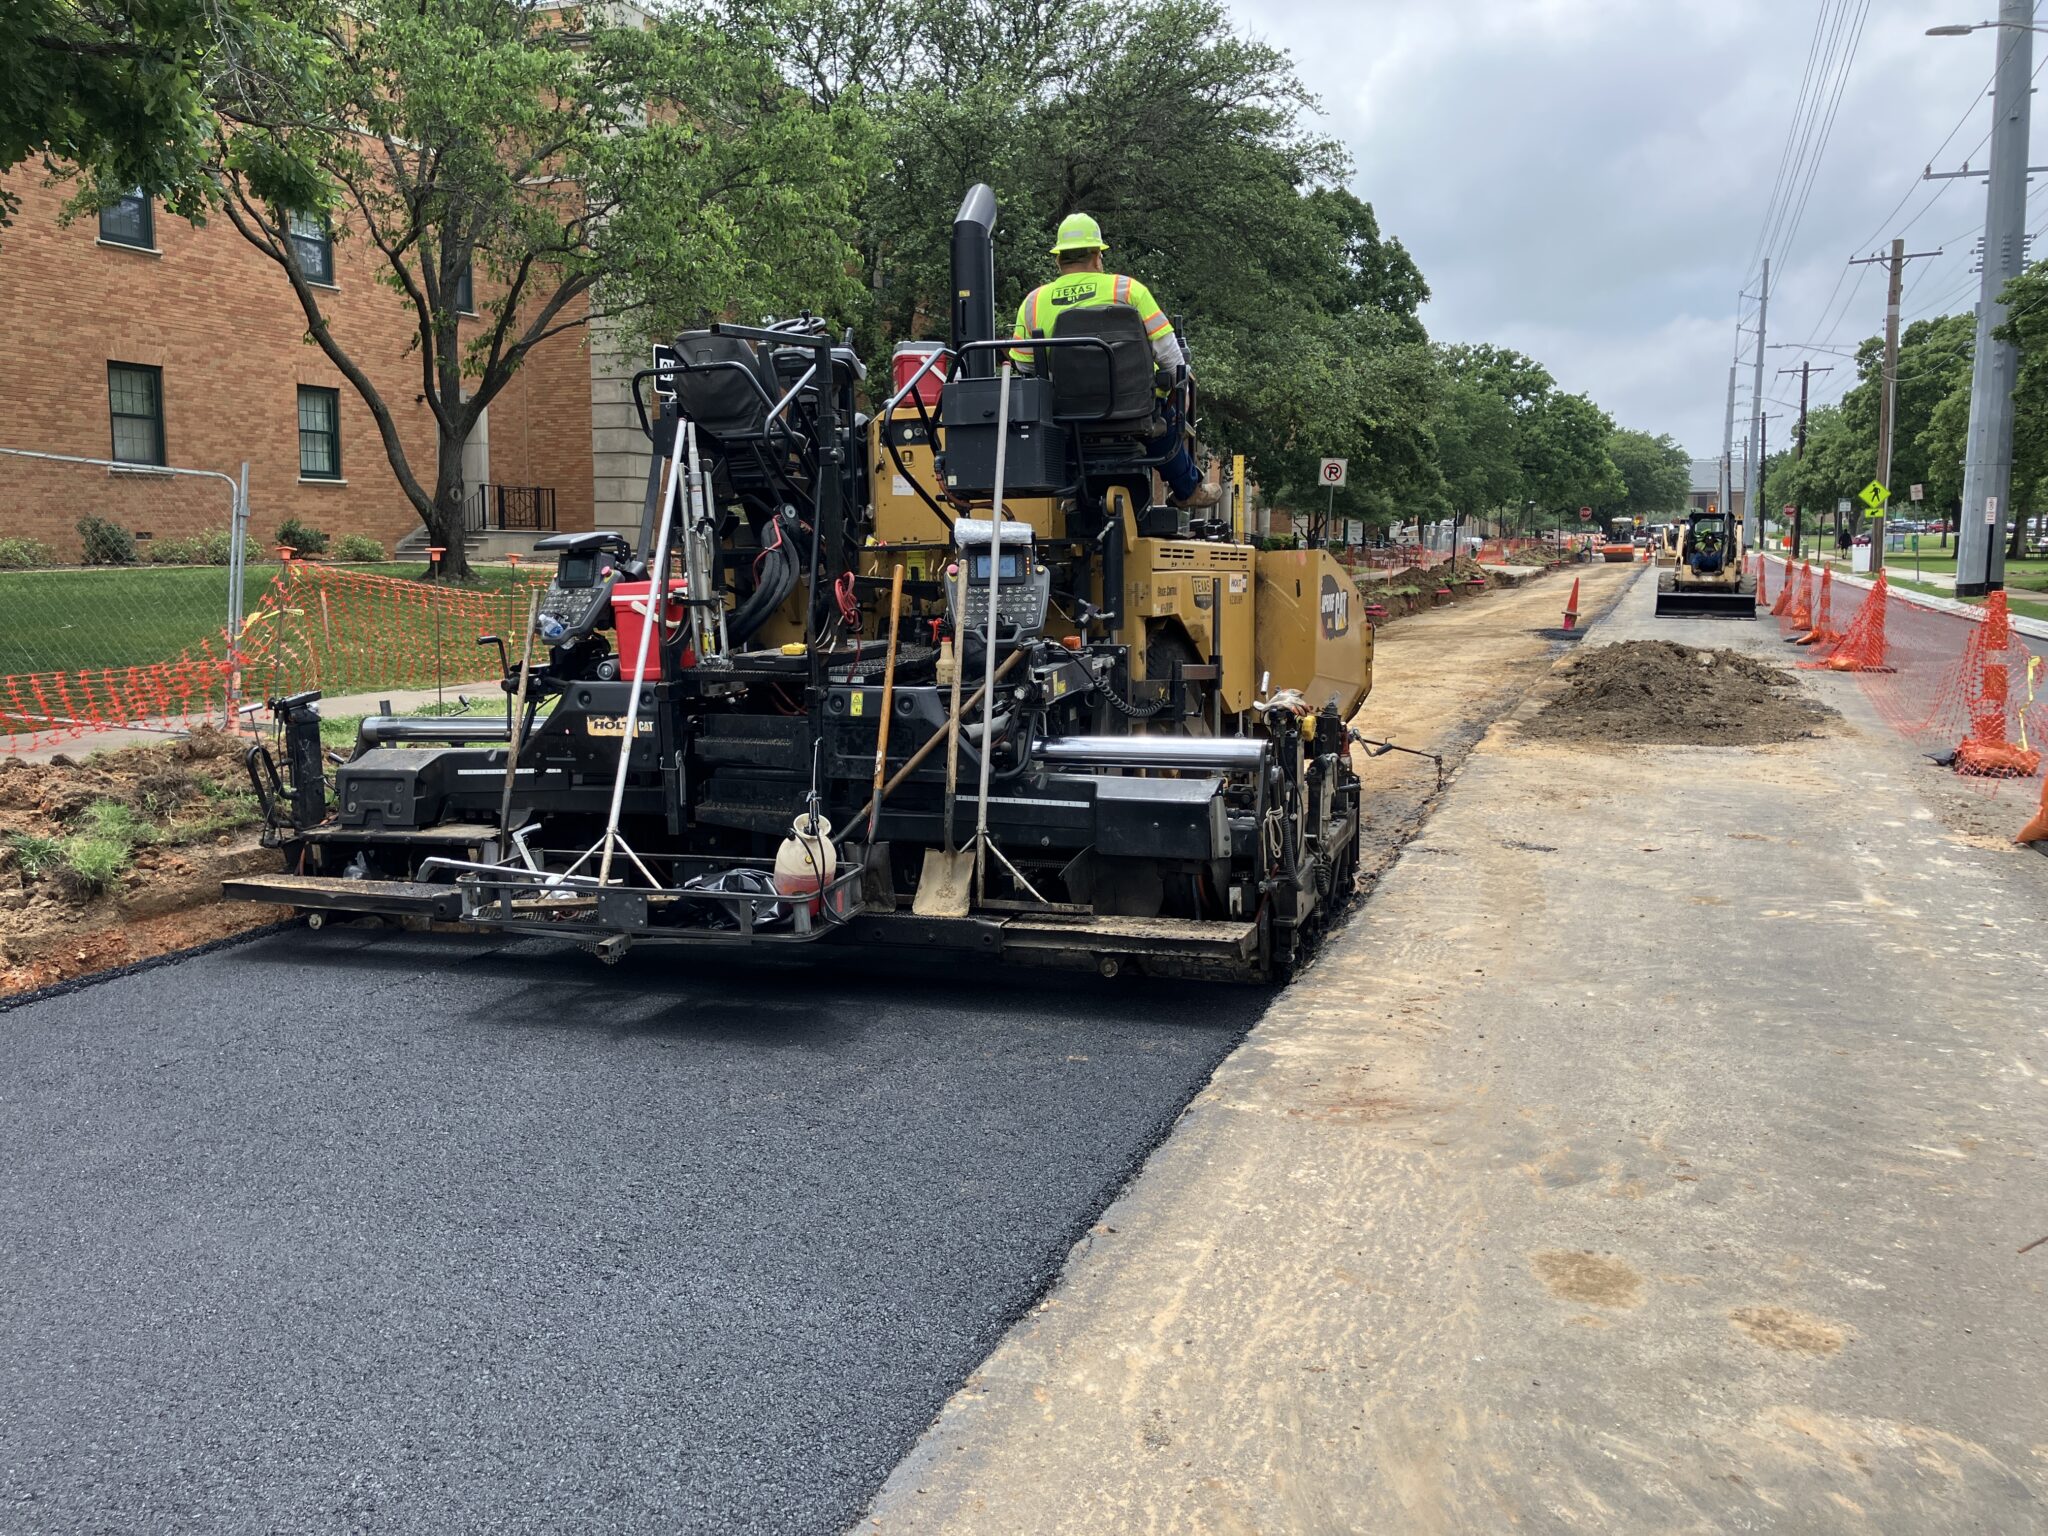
(1784, 602)
(1987, 750)
(1823, 632)
(1862, 648)
(1801, 616)
(1571, 606)
(1763, 571)
(2036, 831)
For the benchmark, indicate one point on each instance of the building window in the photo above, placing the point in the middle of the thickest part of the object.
(319, 433)
(463, 294)
(135, 400)
(313, 246)
(129, 222)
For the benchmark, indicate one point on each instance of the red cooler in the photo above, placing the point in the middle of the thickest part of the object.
(629, 612)
(908, 358)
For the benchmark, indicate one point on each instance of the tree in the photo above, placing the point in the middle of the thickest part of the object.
(1934, 361)
(118, 92)
(565, 175)
(1655, 475)
(1171, 127)
(1836, 466)
(1521, 381)
(1564, 453)
(2026, 327)
(1476, 437)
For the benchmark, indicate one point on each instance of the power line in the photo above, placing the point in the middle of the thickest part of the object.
(1975, 101)
(1783, 248)
(1824, 332)
(1799, 103)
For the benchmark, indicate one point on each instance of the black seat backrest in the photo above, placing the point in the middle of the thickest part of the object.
(721, 400)
(1097, 393)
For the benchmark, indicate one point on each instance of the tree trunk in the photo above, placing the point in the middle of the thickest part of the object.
(446, 525)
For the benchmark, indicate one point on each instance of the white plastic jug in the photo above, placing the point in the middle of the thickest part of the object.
(806, 861)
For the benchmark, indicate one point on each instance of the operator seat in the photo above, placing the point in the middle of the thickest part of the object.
(728, 390)
(727, 393)
(1108, 402)
(1103, 397)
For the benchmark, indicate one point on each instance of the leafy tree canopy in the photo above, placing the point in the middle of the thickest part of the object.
(552, 169)
(1655, 475)
(119, 93)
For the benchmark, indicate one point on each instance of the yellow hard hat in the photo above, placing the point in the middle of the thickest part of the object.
(1078, 232)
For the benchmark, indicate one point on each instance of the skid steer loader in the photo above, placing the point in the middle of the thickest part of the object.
(1707, 578)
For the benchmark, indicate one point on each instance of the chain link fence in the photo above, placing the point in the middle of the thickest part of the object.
(133, 598)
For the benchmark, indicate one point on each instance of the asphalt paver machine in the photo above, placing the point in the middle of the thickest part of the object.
(846, 649)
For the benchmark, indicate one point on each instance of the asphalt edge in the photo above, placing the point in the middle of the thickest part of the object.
(137, 967)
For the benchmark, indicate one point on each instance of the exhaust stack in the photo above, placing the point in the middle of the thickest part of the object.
(974, 278)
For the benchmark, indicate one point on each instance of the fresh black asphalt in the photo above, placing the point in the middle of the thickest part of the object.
(401, 1233)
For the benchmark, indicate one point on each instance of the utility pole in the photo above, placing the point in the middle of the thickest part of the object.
(1805, 372)
(1727, 499)
(1987, 471)
(1750, 496)
(1752, 511)
(1756, 495)
(1887, 402)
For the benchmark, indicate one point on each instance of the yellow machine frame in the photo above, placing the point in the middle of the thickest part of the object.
(1265, 619)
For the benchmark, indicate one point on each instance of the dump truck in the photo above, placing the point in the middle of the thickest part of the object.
(942, 675)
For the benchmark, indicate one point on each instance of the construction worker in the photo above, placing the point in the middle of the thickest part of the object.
(1078, 249)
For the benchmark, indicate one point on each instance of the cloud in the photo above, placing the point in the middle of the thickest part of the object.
(1587, 180)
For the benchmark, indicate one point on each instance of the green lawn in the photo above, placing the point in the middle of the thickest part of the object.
(70, 620)
(2030, 573)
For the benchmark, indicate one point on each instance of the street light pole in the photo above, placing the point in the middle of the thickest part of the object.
(1987, 472)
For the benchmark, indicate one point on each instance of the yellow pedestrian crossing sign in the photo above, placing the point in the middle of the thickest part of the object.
(1874, 496)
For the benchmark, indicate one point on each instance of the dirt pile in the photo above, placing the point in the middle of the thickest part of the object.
(1658, 693)
(119, 856)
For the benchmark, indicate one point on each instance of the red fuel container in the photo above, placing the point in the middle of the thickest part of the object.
(629, 611)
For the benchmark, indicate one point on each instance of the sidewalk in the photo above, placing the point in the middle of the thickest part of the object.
(1651, 1153)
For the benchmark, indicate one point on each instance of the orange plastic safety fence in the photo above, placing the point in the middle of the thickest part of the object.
(349, 632)
(312, 627)
(1860, 648)
(1800, 618)
(1969, 684)
(41, 707)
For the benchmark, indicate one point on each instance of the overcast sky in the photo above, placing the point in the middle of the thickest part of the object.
(1586, 180)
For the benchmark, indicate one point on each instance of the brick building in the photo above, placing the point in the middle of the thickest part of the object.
(141, 338)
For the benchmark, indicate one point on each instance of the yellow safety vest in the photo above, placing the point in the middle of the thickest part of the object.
(1041, 308)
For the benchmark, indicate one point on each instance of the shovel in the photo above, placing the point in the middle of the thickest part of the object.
(944, 889)
(888, 702)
